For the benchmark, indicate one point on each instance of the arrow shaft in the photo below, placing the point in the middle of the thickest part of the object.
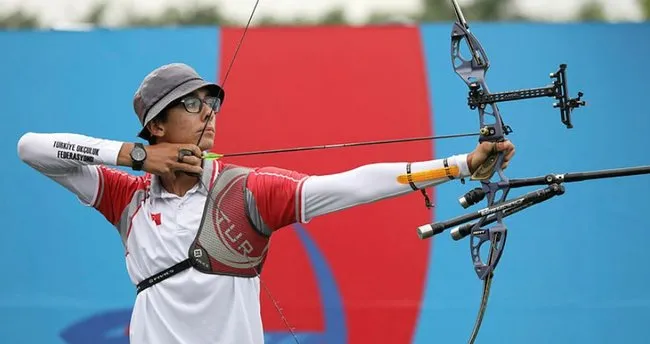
(351, 144)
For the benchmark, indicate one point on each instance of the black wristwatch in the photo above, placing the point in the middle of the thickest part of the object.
(138, 155)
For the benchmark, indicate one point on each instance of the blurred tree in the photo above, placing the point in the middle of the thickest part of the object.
(479, 10)
(378, 18)
(19, 19)
(491, 10)
(199, 14)
(591, 11)
(203, 14)
(436, 10)
(335, 16)
(645, 7)
(96, 14)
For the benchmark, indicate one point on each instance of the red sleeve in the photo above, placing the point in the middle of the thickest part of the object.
(277, 195)
(115, 191)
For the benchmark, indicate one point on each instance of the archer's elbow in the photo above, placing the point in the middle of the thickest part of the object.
(28, 147)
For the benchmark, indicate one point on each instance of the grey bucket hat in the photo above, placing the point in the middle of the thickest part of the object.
(164, 85)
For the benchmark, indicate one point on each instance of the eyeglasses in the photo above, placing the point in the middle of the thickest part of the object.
(194, 104)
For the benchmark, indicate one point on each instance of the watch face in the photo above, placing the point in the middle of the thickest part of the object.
(138, 154)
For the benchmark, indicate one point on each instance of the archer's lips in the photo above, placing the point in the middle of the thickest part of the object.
(207, 131)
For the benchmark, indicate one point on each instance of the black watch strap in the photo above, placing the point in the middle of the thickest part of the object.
(137, 164)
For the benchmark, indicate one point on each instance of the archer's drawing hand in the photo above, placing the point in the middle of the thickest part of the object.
(165, 159)
(485, 150)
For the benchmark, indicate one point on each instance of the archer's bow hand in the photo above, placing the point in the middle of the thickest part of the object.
(482, 160)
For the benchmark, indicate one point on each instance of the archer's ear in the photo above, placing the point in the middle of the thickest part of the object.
(156, 128)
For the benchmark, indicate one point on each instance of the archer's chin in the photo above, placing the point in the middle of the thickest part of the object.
(206, 143)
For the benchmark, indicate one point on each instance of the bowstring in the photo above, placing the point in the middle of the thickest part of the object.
(217, 104)
(275, 303)
(266, 289)
(214, 109)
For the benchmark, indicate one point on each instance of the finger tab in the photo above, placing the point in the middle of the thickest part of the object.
(182, 153)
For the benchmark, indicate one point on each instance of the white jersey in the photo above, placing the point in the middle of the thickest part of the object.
(192, 307)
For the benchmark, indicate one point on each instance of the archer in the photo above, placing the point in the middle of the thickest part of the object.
(190, 289)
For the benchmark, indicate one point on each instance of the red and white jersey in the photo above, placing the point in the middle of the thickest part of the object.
(191, 306)
(158, 236)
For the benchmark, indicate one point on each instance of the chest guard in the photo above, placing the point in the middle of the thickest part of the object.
(227, 243)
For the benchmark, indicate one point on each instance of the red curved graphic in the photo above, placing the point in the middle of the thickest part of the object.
(309, 86)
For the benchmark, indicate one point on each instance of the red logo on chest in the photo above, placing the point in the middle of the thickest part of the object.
(155, 217)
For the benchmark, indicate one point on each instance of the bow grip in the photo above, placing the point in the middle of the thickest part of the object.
(487, 168)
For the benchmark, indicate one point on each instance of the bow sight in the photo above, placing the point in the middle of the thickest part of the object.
(478, 97)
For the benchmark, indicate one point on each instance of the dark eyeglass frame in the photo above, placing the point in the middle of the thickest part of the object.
(208, 100)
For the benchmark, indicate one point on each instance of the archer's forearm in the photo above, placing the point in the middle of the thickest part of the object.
(369, 183)
(57, 153)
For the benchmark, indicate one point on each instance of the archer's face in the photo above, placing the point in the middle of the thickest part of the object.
(186, 121)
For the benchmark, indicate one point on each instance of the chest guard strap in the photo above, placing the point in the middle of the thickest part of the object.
(226, 243)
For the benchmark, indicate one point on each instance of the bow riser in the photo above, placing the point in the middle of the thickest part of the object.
(472, 72)
(492, 129)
